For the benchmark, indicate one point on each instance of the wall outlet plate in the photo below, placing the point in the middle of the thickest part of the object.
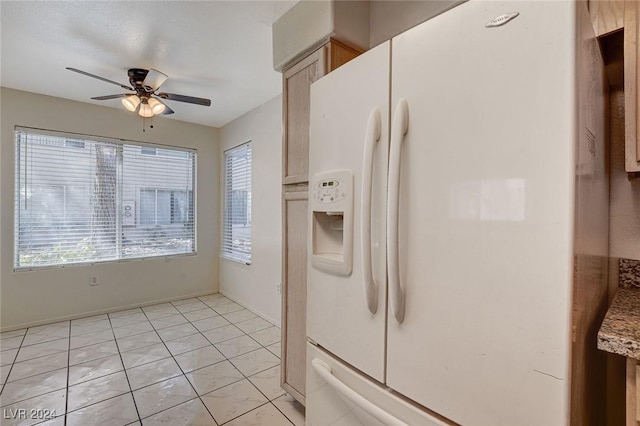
(94, 280)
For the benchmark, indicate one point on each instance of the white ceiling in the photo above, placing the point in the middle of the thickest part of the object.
(219, 50)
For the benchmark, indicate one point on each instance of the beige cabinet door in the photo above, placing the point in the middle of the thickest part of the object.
(295, 215)
(296, 84)
(631, 79)
(297, 81)
(295, 93)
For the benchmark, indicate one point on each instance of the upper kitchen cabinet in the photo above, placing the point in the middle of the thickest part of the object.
(296, 82)
(607, 17)
(631, 81)
(312, 39)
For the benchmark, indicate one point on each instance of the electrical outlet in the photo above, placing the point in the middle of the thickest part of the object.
(278, 287)
(94, 280)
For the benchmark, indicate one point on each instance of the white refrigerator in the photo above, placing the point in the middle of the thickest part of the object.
(444, 181)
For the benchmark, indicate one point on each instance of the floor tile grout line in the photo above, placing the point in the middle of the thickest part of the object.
(282, 412)
(45, 341)
(98, 377)
(188, 321)
(60, 351)
(93, 359)
(37, 374)
(12, 331)
(135, 405)
(66, 394)
(34, 396)
(181, 374)
(13, 362)
(253, 409)
(103, 400)
(245, 376)
(39, 356)
(188, 381)
(226, 359)
(133, 335)
(265, 347)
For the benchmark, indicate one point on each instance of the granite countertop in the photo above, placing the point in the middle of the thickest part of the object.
(620, 330)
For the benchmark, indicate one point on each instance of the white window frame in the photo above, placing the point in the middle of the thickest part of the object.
(121, 226)
(236, 248)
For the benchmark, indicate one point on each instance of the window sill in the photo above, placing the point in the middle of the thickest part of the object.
(102, 262)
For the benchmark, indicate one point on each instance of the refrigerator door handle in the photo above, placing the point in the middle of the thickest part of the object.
(399, 128)
(372, 136)
(324, 370)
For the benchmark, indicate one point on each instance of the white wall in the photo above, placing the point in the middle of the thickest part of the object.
(30, 297)
(254, 286)
(388, 18)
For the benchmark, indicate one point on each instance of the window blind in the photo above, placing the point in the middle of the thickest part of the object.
(236, 221)
(81, 199)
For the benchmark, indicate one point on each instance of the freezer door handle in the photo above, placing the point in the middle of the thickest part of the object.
(399, 128)
(372, 136)
(324, 370)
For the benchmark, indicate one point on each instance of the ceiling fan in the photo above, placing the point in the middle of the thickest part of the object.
(145, 101)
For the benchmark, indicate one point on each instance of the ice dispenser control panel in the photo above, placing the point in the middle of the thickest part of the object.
(331, 236)
(329, 191)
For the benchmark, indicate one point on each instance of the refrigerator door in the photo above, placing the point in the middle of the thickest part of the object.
(338, 395)
(348, 148)
(485, 215)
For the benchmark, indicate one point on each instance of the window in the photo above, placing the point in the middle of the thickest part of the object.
(163, 207)
(74, 144)
(145, 150)
(236, 232)
(86, 199)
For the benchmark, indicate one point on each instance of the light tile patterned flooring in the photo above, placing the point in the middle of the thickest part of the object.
(199, 361)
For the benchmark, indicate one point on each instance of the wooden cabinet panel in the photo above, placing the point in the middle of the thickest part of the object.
(297, 85)
(607, 15)
(296, 90)
(612, 15)
(338, 54)
(633, 393)
(637, 391)
(295, 292)
(631, 80)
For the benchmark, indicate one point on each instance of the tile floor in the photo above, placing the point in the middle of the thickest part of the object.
(199, 361)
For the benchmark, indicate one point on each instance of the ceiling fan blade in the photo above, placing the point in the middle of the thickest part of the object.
(187, 99)
(98, 77)
(104, 98)
(154, 80)
(166, 110)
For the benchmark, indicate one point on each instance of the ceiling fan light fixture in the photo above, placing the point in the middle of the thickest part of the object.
(144, 101)
(131, 102)
(156, 106)
(145, 110)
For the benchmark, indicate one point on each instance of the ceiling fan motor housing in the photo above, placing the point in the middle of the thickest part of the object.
(136, 77)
